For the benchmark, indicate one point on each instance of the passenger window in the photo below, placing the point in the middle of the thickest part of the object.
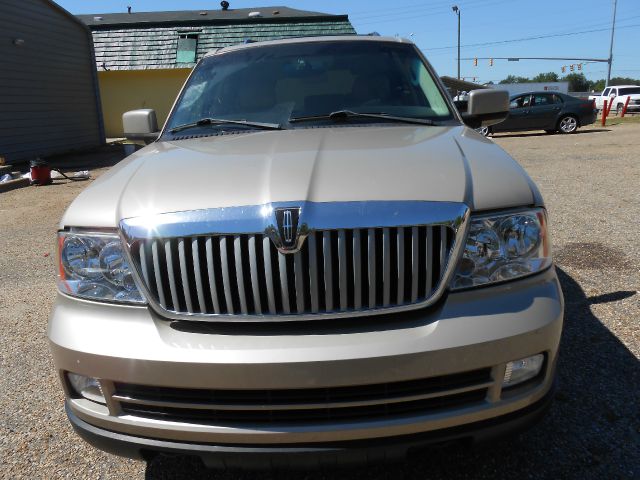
(557, 99)
(518, 102)
(541, 100)
(606, 92)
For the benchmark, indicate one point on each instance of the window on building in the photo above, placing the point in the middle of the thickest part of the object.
(187, 45)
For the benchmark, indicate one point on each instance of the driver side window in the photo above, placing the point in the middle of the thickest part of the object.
(520, 102)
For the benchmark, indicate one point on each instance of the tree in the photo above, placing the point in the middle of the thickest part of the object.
(577, 82)
(624, 81)
(546, 77)
(514, 79)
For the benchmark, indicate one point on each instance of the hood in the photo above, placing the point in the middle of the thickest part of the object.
(351, 163)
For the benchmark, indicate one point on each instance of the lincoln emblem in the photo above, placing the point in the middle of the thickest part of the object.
(287, 221)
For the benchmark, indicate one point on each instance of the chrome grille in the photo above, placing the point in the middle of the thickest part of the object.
(335, 271)
(306, 405)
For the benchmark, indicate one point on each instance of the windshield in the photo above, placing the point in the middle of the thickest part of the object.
(275, 83)
(629, 91)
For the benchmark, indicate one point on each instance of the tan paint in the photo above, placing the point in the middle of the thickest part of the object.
(453, 164)
(125, 90)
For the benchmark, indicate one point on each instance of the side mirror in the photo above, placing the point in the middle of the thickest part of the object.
(486, 107)
(141, 125)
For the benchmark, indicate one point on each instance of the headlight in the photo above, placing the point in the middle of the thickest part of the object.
(94, 266)
(503, 247)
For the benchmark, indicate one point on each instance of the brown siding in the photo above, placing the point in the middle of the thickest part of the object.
(48, 99)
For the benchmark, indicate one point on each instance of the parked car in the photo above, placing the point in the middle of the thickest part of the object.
(617, 97)
(315, 261)
(552, 112)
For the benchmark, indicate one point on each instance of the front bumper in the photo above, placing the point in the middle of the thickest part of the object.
(468, 330)
(310, 455)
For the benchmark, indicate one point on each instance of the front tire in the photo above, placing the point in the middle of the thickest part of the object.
(568, 124)
(619, 109)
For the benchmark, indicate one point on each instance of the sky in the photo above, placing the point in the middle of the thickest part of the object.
(489, 28)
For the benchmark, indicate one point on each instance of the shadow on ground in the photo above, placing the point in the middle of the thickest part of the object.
(591, 432)
(87, 159)
(544, 134)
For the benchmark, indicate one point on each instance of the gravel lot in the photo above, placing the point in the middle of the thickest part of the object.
(591, 183)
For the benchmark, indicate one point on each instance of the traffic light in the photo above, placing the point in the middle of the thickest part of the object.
(579, 66)
(564, 69)
(491, 62)
(475, 62)
(571, 67)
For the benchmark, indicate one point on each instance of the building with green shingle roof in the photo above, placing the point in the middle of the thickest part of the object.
(143, 58)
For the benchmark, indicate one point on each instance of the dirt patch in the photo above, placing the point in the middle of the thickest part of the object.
(593, 256)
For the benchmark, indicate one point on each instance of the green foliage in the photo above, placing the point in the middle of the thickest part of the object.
(546, 77)
(577, 82)
(515, 79)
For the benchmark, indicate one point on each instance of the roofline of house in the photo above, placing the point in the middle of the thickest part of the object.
(245, 21)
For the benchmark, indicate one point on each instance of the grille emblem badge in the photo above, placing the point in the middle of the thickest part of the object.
(287, 220)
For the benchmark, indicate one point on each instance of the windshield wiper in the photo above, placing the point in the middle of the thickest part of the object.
(223, 121)
(346, 114)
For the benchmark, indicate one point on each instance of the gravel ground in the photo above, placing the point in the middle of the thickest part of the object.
(591, 183)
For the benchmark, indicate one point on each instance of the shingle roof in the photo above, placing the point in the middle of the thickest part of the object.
(150, 41)
(198, 16)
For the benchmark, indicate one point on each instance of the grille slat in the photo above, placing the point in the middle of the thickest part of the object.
(184, 276)
(253, 266)
(342, 266)
(226, 280)
(268, 273)
(334, 271)
(401, 270)
(429, 261)
(371, 245)
(328, 271)
(158, 274)
(415, 263)
(284, 282)
(211, 275)
(386, 267)
(172, 277)
(313, 273)
(357, 271)
(237, 254)
(195, 252)
(299, 279)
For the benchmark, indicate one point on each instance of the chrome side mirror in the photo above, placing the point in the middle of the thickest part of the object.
(486, 107)
(141, 124)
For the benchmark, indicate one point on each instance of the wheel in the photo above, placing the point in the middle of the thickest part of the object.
(568, 124)
(486, 131)
(619, 108)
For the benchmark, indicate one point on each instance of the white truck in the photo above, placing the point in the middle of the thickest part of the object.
(618, 95)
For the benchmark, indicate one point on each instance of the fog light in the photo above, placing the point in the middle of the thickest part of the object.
(86, 387)
(522, 370)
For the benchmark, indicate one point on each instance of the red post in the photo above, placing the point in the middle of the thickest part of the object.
(626, 104)
(604, 113)
(610, 106)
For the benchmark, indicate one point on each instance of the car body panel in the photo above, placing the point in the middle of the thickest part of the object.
(452, 164)
(546, 116)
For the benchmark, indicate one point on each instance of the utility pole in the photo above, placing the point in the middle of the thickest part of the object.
(456, 10)
(613, 29)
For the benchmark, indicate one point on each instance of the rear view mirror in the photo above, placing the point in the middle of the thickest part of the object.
(486, 107)
(140, 125)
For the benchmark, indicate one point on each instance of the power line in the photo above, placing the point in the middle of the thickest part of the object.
(525, 39)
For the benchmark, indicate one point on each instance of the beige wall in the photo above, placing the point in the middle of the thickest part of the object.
(124, 90)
